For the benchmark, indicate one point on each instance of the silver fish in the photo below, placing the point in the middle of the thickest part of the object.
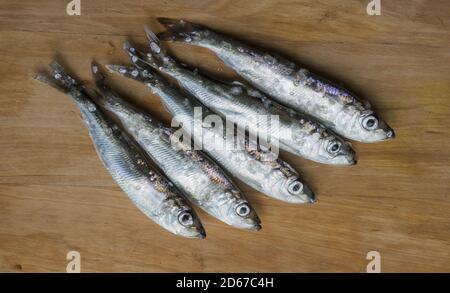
(202, 180)
(150, 191)
(288, 83)
(260, 169)
(251, 109)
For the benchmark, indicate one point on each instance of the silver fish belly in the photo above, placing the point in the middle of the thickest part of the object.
(251, 110)
(150, 191)
(288, 83)
(203, 181)
(257, 168)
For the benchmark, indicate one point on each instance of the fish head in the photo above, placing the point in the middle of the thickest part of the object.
(188, 224)
(364, 125)
(334, 150)
(238, 212)
(179, 218)
(286, 185)
(369, 127)
(295, 191)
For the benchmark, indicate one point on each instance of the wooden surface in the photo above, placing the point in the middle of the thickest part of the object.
(55, 195)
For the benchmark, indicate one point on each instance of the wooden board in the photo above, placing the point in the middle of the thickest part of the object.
(55, 196)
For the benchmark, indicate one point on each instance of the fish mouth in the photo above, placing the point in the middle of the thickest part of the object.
(201, 235)
(351, 157)
(347, 157)
(198, 233)
(390, 134)
(254, 224)
(312, 197)
(256, 227)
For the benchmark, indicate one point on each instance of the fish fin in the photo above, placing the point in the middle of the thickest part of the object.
(179, 30)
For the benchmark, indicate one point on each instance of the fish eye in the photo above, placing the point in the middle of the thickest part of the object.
(295, 187)
(185, 218)
(243, 210)
(334, 147)
(370, 122)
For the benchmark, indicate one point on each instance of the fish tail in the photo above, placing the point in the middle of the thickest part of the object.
(98, 76)
(153, 41)
(140, 59)
(59, 79)
(179, 30)
(132, 72)
(158, 53)
(104, 95)
(51, 81)
(157, 50)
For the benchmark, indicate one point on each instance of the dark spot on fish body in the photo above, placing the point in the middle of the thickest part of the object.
(215, 179)
(345, 99)
(322, 132)
(215, 173)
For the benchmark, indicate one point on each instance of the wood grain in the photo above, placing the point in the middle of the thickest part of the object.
(55, 196)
